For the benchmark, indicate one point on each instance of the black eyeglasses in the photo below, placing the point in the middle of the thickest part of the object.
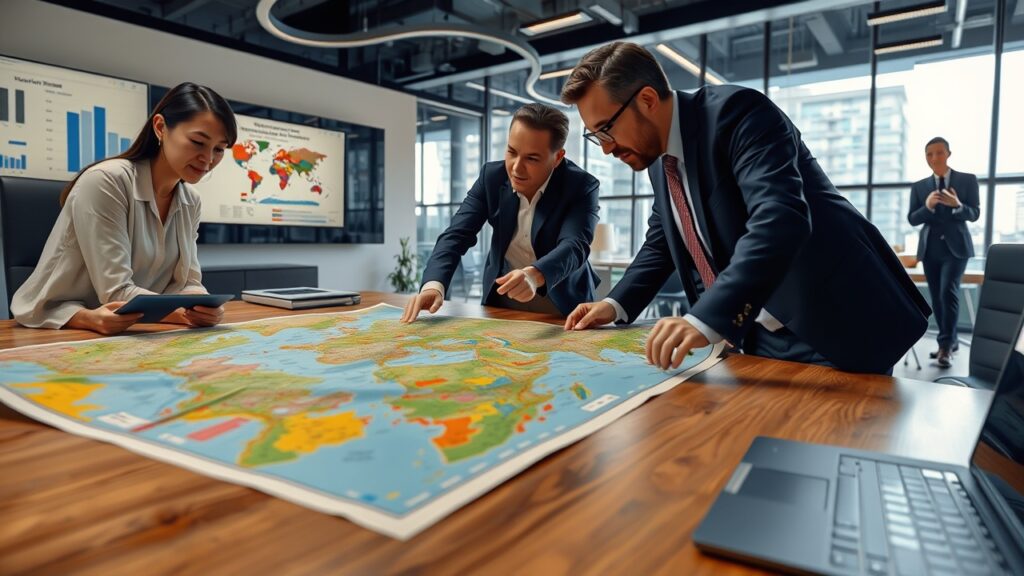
(602, 134)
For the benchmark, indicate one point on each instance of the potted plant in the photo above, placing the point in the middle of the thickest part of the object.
(403, 278)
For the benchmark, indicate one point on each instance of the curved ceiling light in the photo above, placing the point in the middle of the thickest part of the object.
(288, 33)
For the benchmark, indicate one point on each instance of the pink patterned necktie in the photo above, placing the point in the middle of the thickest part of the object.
(675, 189)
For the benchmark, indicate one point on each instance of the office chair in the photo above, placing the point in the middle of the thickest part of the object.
(28, 210)
(1000, 305)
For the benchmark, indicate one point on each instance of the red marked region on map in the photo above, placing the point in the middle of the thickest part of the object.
(216, 430)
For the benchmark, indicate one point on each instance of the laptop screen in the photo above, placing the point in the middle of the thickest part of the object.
(1000, 450)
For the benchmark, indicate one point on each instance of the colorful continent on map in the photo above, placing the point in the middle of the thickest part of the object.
(300, 161)
(242, 153)
(283, 165)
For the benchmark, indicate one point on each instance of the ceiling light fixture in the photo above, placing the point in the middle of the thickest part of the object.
(604, 10)
(557, 23)
(904, 45)
(906, 13)
(556, 74)
(279, 29)
(688, 64)
(502, 93)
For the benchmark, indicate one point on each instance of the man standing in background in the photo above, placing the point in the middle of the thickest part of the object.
(944, 202)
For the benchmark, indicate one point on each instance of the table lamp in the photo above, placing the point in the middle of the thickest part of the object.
(604, 241)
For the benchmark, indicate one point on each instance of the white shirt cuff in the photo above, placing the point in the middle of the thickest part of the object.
(620, 312)
(529, 280)
(958, 209)
(708, 332)
(433, 285)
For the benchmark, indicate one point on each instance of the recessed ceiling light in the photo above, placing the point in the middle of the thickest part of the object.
(556, 23)
(906, 13)
(905, 45)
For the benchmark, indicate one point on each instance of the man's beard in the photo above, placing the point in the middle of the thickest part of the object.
(641, 159)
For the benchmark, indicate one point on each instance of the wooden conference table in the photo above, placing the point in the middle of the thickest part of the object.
(624, 500)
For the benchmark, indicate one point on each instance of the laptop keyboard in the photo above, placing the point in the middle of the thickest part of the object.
(907, 521)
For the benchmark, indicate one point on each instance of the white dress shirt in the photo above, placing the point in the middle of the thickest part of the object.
(675, 148)
(520, 253)
(935, 177)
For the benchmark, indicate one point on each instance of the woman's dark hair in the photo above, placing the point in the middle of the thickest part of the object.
(180, 104)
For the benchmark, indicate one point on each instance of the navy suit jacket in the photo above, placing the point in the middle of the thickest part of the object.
(563, 228)
(943, 223)
(781, 237)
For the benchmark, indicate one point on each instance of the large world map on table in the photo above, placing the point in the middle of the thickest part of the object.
(393, 426)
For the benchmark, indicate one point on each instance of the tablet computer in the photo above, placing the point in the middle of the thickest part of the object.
(156, 306)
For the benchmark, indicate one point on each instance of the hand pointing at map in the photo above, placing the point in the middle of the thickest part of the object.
(520, 285)
(428, 299)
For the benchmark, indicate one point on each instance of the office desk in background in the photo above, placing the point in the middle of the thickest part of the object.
(624, 500)
(971, 278)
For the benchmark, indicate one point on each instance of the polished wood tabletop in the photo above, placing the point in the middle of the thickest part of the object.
(624, 500)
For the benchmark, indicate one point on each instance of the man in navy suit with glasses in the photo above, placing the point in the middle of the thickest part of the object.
(772, 258)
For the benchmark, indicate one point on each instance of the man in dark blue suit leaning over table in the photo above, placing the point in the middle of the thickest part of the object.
(543, 209)
(772, 258)
(944, 202)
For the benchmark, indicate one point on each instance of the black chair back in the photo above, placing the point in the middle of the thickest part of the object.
(28, 210)
(1000, 306)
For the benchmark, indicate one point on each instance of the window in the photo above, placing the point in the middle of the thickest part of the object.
(680, 59)
(736, 55)
(644, 207)
(1010, 157)
(615, 176)
(1008, 225)
(889, 214)
(619, 213)
(942, 91)
(820, 76)
(858, 197)
(448, 163)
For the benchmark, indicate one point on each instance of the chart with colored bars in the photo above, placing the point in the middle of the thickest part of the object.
(56, 121)
(278, 173)
(88, 139)
(393, 426)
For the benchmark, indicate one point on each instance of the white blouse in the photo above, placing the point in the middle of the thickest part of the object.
(109, 245)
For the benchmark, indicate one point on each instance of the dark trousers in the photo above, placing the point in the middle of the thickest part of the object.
(943, 271)
(783, 345)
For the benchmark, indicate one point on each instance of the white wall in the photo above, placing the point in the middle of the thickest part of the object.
(56, 35)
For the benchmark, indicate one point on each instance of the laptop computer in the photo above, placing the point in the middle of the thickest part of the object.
(811, 508)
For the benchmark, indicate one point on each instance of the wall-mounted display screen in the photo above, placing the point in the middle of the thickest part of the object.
(278, 174)
(55, 121)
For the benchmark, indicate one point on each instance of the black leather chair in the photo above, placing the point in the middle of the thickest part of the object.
(1000, 305)
(670, 301)
(28, 210)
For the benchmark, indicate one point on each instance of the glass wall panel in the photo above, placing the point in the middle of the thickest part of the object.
(619, 213)
(1009, 214)
(820, 75)
(944, 91)
(736, 55)
(1010, 155)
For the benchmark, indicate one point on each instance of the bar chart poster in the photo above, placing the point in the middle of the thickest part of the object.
(55, 121)
(280, 174)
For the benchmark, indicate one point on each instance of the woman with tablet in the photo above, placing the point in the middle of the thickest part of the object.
(129, 224)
